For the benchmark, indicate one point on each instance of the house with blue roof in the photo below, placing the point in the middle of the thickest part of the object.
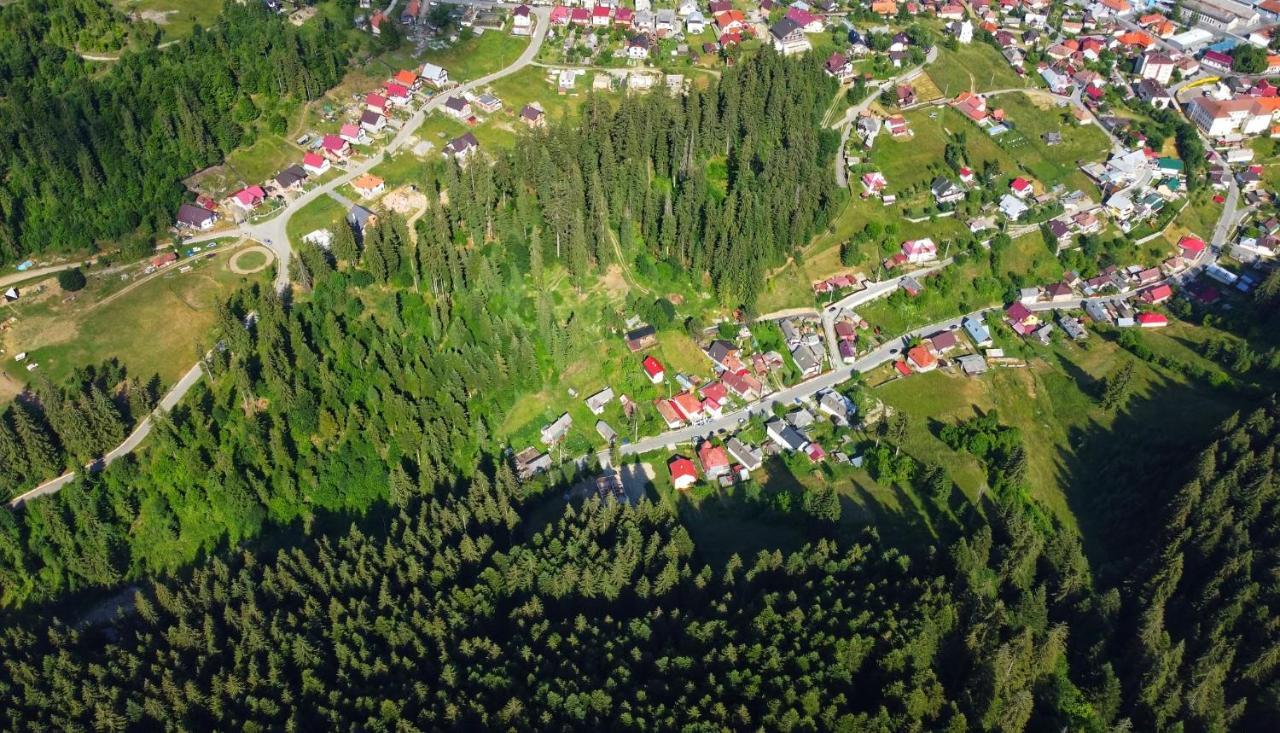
(977, 331)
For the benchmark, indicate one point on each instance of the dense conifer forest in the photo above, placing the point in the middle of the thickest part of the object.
(92, 155)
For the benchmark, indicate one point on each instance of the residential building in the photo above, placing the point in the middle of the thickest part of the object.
(683, 473)
(653, 368)
(463, 147)
(457, 108)
(714, 460)
(196, 217)
(596, 402)
(784, 436)
(749, 457)
(788, 38)
(555, 432)
(434, 75)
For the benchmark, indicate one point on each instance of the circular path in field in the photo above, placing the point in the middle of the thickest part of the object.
(250, 260)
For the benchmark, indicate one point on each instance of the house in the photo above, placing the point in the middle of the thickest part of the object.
(462, 148)
(247, 199)
(787, 37)
(164, 260)
(291, 178)
(977, 330)
(683, 473)
(368, 185)
(191, 216)
(533, 117)
(1156, 295)
(1153, 93)
(606, 431)
(784, 436)
(945, 191)
(555, 432)
(750, 458)
(1151, 320)
(638, 47)
(372, 121)
(315, 164)
(806, 21)
(897, 126)
(434, 75)
(689, 407)
(954, 11)
(1060, 231)
(942, 342)
(336, 147)
(695, 23)
(531, 462)
(725, 355)
(1012, 207)
(521, 21)
(641, 338)
(834, 404)
(742, 384)
(921, 360)
(730, 21)
(839, 67)
(1021, 319)
(397, 95)
(376, 103)
(714, 460)
(1020, 187)
(800, 419)
(407, 79)
(353, 134)
(457, 108)
(602, 16)
(624, 17)
(809, 363)
(653, 368)
(667, 410)
(1157, 66)
(972, 364)
(920, 250)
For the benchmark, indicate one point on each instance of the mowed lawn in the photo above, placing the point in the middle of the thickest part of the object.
(1052, 164)
(176, 18)
(152, 327)
(906, 162)
(323, 213)
(479, 55)
(976, 67)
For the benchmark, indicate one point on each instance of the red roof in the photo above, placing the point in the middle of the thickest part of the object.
(1158, 294)
(600, 11)
(712, 456)
(681, 467)
(375, 100)
(688, 405)
(314, 160)
(902, 368)
(652, 366)
(1017, 312)
(580, 14)
(714, 391)
(1152, 319)
(395, 90)
(1020, 184)
(815, 452)
(334, 143)
(350, 130)
(921, 357)
(1191, 246)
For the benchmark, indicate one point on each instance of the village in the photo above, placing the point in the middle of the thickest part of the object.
(966, 126)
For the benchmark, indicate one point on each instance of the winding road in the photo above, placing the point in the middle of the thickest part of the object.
(273, 233)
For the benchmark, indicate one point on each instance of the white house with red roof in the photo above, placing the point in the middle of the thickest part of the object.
(1191, 247)
(683, 473)
(335, 146)
(352, 133)
(601, 16)
(375, 102)
(714, 460)
(1151, 320)
(1156, 295)
(397, 94)
(689, 408)
(247, 199)
(315, 164)
(1020, 187)
(653, 368)
(920, 250)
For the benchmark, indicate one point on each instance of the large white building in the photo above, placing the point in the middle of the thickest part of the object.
(1231, 117)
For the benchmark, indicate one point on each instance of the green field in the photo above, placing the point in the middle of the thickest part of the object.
(152, 327)
(176, 18)
(323, 213)
(973, 67)
(262, 160)
(1053, 164)
(914, 161)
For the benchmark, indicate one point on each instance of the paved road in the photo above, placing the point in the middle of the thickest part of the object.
(845, 123)
(171, 398)
(273, 234)
(886, 352)
(873, 291)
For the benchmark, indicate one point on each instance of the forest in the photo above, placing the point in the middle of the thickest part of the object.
(96, 156)
(462, 612)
